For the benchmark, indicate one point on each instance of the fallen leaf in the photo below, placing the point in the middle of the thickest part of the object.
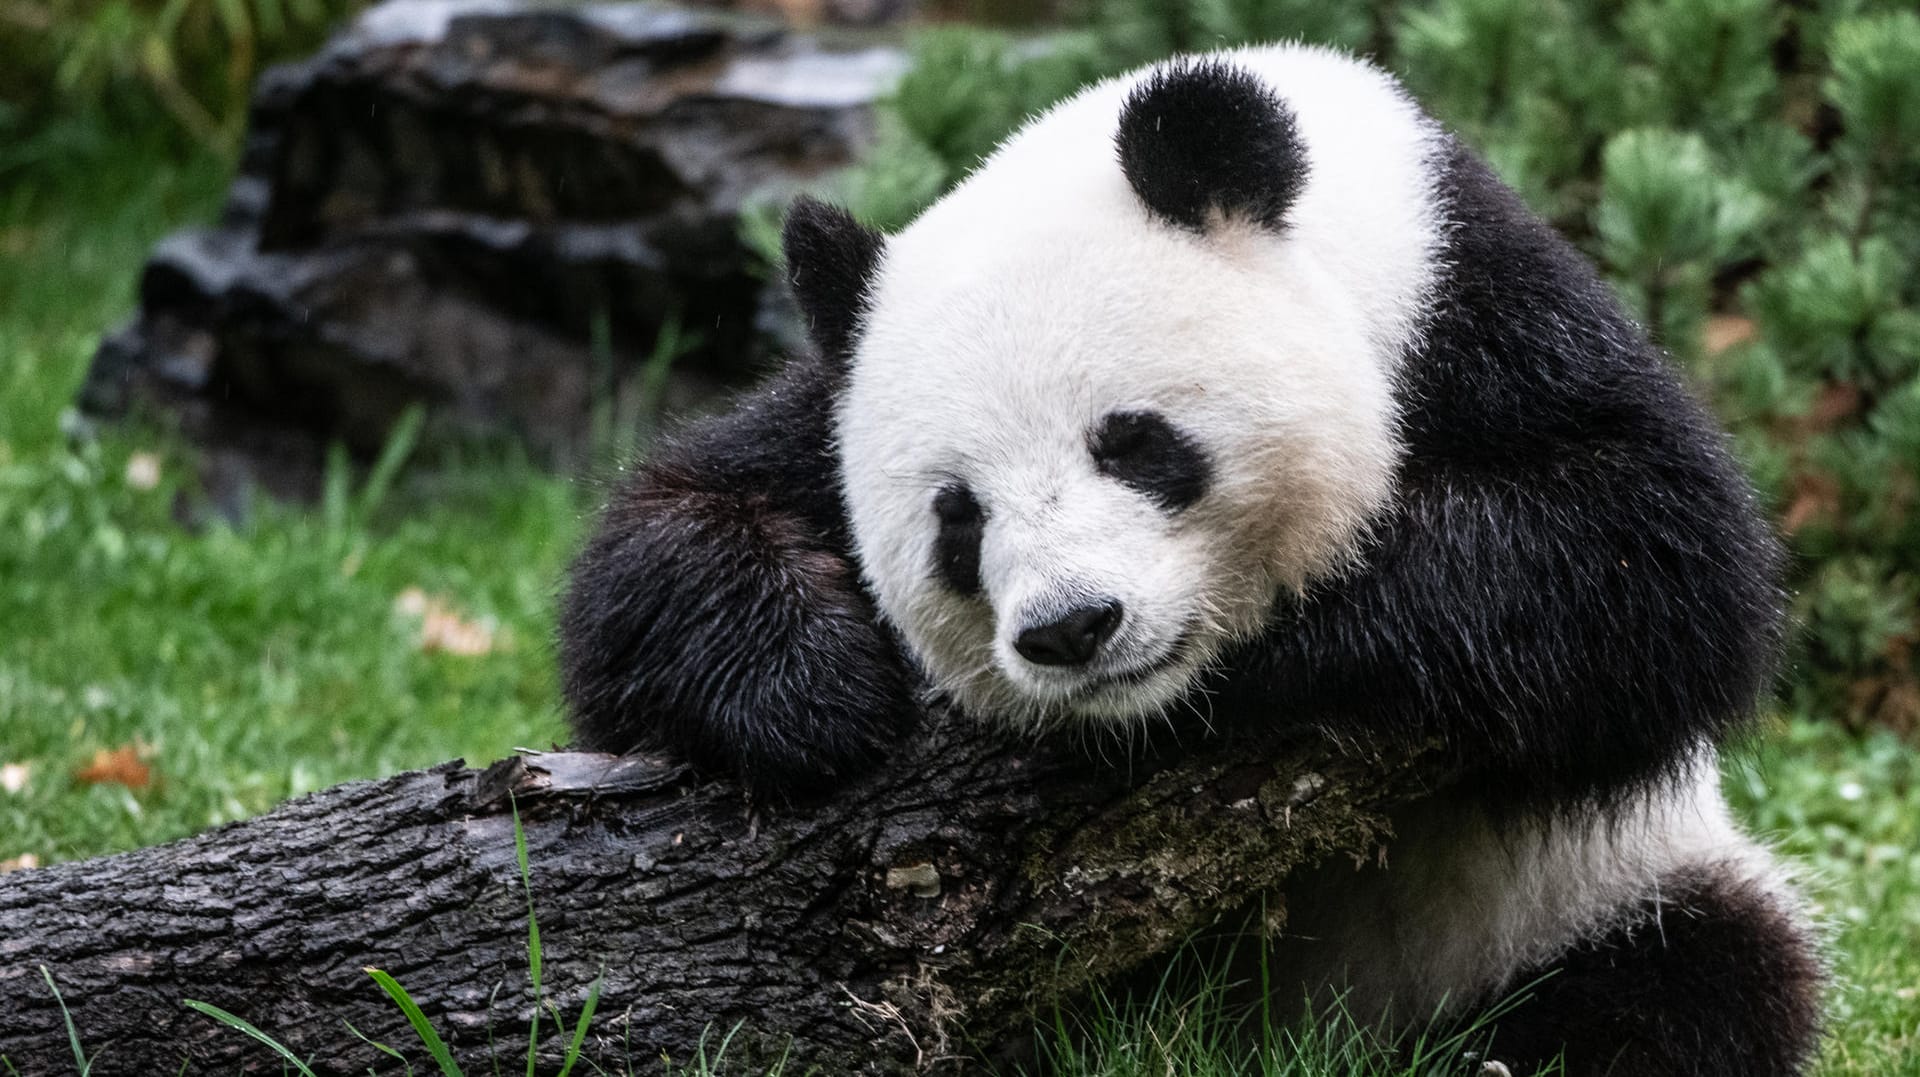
(13, 776)
(1815, 497)
(19, 863)
(118, 766)
(1724, 331)
(443, 628)
(1890, 698)
(1838, 401)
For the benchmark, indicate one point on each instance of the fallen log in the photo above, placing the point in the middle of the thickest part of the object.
(921, 916)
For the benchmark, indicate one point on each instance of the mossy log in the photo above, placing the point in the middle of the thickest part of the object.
(917, 918)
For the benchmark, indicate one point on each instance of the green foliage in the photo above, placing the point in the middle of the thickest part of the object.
(1873, 82)
(1132, 31)
(1704, 63)
(1666, 218)
(75, 74)
(1747, 173)
(965, 91)
(1823, 307)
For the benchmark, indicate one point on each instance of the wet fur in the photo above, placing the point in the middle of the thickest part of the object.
(717, 615)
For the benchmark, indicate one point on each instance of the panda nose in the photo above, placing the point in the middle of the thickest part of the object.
(1072, 640)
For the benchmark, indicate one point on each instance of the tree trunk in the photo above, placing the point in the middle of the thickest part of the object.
(919, 917)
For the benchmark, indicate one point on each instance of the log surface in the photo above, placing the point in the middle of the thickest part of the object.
(916, 918)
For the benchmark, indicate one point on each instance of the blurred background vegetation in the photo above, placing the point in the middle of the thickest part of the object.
(80, 78)
(1747, 172)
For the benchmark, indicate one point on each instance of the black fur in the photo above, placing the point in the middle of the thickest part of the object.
(1143, 450)
(1575, 587)
(831, 260)
(956, 547)
(717, 613)
(1200, 137)
(1747, 977)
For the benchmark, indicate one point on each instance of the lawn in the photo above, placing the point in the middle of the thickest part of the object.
(237, 666)
(154, 682)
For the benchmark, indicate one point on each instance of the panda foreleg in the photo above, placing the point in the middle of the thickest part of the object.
(1714, 976)
(716, 615)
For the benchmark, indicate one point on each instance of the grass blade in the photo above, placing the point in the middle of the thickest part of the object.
(435, 1045)
(493, 1049)
(380, 1047)
(80, 1061)
(533, 934)
(336, 500)
(580, 1024)
(241, 1024)
(401, 439)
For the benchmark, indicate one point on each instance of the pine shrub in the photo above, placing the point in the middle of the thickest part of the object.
(78, 77)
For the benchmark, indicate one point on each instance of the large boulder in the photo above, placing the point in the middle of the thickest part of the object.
(494, 211)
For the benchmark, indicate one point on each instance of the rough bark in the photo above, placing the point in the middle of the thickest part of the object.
(913, 920)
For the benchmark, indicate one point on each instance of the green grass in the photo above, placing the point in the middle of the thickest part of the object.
(1186, 1027)
(262, 662)
(1847, 809)
(248, 664)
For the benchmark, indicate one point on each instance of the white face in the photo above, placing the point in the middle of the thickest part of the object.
(1084, 451)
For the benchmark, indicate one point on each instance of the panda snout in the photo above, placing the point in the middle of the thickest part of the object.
(1073, 639)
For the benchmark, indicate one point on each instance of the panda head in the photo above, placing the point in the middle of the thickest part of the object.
(1117, 393)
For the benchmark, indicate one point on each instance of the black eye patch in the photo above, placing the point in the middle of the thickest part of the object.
(1144, 451)
(956, 549)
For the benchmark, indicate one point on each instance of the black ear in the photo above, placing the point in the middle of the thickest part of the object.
(1199, 137)
(831, 259)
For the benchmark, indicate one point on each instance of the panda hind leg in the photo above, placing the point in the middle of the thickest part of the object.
(1718, 976)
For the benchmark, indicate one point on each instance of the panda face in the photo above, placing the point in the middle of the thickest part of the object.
(1080, 632)
(1078, 474)
(1087, 443)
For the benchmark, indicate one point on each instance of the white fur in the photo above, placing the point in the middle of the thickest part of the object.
(1456, 908)
(1040, 296)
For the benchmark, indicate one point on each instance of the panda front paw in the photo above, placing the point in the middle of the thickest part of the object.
(720, 630)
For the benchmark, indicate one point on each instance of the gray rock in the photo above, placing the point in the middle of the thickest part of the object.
(491, 210)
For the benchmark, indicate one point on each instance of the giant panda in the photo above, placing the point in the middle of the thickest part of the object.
(1239, 387)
